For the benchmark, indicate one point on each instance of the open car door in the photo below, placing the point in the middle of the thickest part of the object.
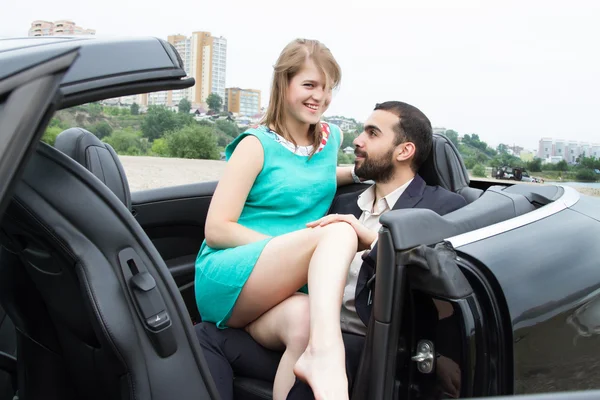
(28, 98)
(426, 337)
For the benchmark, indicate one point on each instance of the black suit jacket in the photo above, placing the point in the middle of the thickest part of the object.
(417, 195)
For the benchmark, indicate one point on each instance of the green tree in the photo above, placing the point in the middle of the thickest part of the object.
(479, 170)
(505, 159)
(587, 175)
(192, 141)
(127, 142)
(160, 148)
(113, 111)
(57, 122)
(94, 110)
(562, 166)
(158, 121)
(135, 109)
(470, 162)
(502, 148)
(349, 138)
(215, 102)
(185, 106)
(229, 128)
(185, 119)
(534, 165)
(344, 158)
(589, 162)
(50, 135)
(101, 129)
(453, 136)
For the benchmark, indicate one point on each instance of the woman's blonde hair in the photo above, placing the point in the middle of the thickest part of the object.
(290, 62)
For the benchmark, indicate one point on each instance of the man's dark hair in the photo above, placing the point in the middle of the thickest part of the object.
(413, 127)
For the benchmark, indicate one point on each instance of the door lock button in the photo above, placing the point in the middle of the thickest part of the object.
(158, 321)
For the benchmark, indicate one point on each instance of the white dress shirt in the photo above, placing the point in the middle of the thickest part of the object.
(371, 212)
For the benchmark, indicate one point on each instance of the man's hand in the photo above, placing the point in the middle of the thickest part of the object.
(365, 236)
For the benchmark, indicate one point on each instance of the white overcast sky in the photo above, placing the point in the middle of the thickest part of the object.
(512, 71)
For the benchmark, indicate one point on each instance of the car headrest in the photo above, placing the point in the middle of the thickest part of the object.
(445, 166)
(98, 157)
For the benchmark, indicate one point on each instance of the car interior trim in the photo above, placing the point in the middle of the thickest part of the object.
(569, 198)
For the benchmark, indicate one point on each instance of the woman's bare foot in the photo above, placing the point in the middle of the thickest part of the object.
(325, 372)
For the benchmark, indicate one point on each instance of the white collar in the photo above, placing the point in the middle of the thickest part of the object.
(366, 199)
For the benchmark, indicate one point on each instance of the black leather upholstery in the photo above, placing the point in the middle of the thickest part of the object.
(412, 227)
(445, 167)
(98, 157)
(77, 260)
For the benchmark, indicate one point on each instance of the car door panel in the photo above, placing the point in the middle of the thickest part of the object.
(551, 297)
(174, 218)
(28, 98)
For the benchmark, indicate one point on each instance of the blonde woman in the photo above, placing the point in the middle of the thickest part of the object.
(258, 260)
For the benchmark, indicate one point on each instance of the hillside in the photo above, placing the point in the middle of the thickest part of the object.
(88, 118)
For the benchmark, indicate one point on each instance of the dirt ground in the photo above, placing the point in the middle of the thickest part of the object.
(155, 172)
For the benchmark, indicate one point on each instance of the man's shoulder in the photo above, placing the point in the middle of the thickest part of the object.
(450, 200)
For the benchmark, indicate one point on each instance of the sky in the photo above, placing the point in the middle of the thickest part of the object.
(511, 71)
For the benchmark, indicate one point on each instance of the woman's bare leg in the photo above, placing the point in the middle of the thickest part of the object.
(284, 327)
(320, 256)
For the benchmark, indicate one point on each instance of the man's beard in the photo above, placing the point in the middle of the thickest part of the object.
(379, 170)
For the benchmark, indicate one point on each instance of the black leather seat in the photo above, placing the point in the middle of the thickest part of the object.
(445, 167)
(98, 157)
(97, 312)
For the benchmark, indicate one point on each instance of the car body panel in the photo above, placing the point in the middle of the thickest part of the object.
(551, 290)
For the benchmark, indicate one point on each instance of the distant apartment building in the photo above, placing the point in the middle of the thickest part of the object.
(560, 149)
(546, 148)
(205, 59)
(242, 101)
(570, 151)
(58, 28)
(219, 66)
(183, 45)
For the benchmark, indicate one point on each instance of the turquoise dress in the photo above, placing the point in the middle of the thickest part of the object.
(290, 191)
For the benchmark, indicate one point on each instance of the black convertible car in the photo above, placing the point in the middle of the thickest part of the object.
(501, 297)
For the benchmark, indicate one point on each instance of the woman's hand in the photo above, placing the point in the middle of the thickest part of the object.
(366, 237)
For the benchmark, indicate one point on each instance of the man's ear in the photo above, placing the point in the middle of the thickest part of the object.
(405, 151)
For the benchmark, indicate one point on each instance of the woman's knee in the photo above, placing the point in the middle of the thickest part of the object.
(297, 322)
(341, 231)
